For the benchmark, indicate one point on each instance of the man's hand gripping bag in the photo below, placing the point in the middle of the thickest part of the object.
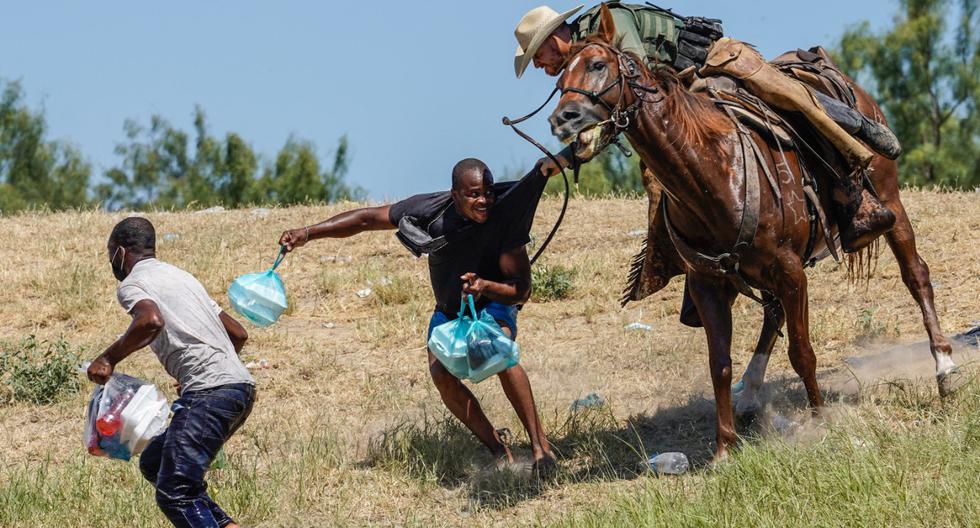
(472, 346)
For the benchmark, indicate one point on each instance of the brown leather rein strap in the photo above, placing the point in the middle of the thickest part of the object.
(727, 264)
(575, 168)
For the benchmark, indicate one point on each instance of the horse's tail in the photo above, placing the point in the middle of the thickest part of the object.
(862, 263)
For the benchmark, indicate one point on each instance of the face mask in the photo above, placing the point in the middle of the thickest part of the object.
(118, 272)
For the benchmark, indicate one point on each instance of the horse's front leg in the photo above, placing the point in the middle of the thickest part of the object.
(791, 289)
(714, 299)
(749, 389)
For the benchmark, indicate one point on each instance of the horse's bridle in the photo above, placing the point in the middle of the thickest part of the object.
(620, 116)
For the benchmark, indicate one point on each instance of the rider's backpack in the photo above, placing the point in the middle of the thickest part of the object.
(667, 38)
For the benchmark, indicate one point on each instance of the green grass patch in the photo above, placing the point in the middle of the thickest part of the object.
(38, 372)
(870, 469)
(439, 450)
(274, 475)
(552, 283)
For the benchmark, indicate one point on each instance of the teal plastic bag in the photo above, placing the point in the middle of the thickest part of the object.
(472, 346)
(260, 297)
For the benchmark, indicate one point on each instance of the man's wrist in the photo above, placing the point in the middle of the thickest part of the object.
(104, 357)
(108, 354)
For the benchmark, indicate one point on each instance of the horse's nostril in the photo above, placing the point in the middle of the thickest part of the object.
(570, 115)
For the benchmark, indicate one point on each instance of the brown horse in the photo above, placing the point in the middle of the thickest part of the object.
(709, 177)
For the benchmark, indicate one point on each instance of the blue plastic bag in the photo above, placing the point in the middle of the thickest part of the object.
(472, 346)
(260, 297)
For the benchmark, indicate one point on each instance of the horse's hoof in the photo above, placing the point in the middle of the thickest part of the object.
(720, 458)
(950, 381)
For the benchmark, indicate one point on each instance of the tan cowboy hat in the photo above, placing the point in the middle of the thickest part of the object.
(535, 26)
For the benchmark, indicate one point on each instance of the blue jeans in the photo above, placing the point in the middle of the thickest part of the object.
(505, 314)
(175, 461)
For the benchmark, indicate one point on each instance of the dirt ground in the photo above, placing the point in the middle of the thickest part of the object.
(355, 367)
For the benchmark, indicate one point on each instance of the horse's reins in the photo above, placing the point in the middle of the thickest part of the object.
(575, 168)
(574, 162)
(618, 118)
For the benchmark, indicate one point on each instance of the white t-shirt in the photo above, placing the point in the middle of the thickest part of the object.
(193, 345)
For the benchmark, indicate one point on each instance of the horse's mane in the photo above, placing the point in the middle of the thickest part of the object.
(696, 118)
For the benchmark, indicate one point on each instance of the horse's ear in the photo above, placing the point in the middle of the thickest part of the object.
(607, 27)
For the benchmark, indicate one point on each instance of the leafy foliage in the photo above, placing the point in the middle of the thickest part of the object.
(37, 371)
(610, 173)
(925, 72)
(34, 171)
(158, 169)
(551, 283)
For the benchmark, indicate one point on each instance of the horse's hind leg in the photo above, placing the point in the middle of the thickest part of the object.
(792, 293)
(748, 390)
(714, 302)
(915, 275)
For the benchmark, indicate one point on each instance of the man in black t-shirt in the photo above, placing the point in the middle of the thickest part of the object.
(475, 236)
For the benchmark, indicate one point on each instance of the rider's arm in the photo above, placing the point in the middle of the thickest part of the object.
(343, 225)
(516, 289)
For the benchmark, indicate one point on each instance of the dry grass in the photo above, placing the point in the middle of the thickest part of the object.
(348, 428)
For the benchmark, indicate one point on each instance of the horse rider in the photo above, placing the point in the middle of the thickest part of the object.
(661, 38)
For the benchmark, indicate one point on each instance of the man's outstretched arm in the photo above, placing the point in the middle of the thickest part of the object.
(146, 326)
(343, 225)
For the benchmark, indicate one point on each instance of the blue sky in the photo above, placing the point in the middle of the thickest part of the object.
(415, 85)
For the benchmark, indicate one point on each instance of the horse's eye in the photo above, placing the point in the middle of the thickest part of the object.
(599, 66)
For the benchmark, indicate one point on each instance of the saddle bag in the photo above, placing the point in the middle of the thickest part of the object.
(693, 40)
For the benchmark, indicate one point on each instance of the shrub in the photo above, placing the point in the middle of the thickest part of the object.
(37, 372)
(550, 283)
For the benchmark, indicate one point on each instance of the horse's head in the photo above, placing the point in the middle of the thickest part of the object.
(592, 108)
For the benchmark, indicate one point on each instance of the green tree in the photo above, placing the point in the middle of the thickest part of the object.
(160, 169)
(34, 171)
(297, 177)
(925, 72)
(609, 173)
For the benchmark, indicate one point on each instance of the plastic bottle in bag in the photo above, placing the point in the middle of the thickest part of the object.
(123, 416)
(673, 463)
(109, 423)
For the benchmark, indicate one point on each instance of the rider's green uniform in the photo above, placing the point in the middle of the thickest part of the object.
(640, 30)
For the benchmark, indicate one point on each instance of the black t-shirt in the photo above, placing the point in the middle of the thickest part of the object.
(508, 227)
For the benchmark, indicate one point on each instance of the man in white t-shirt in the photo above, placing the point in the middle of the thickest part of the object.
(198, 344)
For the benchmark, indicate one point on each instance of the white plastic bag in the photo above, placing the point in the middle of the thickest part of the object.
(123, 416)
